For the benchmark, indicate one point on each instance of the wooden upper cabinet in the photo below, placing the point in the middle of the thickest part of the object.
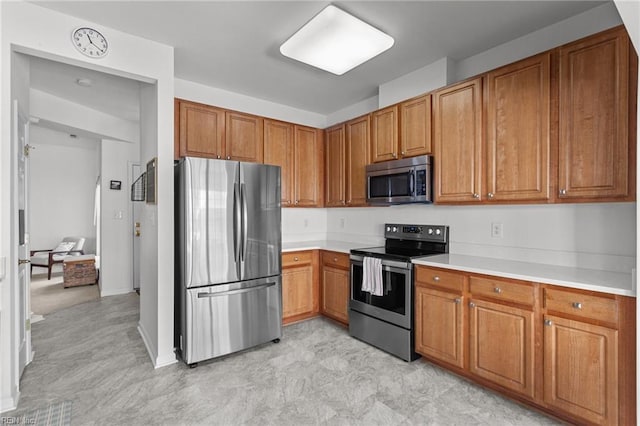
(518, 134)
(278, 151)
(594, 159)
(308, 160)
(201, 132)
(335, 166)
(244, 137)
(357, 158)
(384, 134)
(457, 129)
(415, 126)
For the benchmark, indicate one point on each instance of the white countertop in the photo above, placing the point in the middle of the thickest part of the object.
(584, 279)
(339, 246)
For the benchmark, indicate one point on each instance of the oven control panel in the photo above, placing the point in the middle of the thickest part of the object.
(437, 233)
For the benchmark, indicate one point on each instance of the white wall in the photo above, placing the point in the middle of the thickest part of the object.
(196, 92)
(592, 236)
(116, 242)
(304, 224)
(62, 188)
(34, 30)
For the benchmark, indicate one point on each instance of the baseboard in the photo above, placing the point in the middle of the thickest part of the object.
(10, 403)
(115, 292)
(158, 361)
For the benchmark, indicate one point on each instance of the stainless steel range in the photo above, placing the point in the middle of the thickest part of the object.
(382, 288)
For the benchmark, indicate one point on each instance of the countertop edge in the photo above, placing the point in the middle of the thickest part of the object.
(581, 285)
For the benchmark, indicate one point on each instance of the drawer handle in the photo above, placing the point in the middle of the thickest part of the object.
(335, 259)
(472, 305)
(497, 290)
(436, 278)
(457, 300)
(296, 259)
(577, 305)
(476, 195)
(548, 323)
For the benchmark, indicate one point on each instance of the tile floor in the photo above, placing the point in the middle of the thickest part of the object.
(91, 354)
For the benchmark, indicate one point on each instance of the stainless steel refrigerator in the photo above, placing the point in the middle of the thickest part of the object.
(228, 257)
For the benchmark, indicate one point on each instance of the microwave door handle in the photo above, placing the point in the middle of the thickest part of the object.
(412, 183)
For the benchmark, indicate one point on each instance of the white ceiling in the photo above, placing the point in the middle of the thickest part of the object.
(234, 45)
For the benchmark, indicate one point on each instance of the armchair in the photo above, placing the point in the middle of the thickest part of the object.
(69, 246)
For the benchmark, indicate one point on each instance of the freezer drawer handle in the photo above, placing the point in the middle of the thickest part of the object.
(238, 291)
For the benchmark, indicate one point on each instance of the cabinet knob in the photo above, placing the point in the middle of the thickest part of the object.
(343, 202)
(576, 305)
(457, 300)
(476, 195)
(497, 290)
(218, 157)
(335, 259)
(228, 157)
(436, 278)
(297, 201)
(490, 195)
(295, 259)
(472, 305)
(395, 155)
(402, 153)
(288, 201)
(563, 192)
(548, 322)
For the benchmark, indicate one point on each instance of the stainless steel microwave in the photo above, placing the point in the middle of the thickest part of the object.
(400, 181)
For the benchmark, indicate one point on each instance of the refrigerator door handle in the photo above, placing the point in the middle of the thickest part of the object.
(236, 224)
(238, 291)
(245, 221)
(188, 207)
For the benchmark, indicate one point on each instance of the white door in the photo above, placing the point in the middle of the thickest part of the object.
(21, 142)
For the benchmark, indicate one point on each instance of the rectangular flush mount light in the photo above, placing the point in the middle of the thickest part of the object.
(336, 42)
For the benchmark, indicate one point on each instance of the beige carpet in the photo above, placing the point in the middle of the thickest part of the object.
(49, 296)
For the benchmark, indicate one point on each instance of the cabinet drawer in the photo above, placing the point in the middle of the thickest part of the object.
(502, 290)
(295, 258)
(439, 278)
(332, 258)
(583, 305)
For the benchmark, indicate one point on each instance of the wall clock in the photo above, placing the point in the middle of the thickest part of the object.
(90, 42)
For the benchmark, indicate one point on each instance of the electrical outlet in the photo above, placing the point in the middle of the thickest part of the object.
(342, 223)
(306, 223)
(496, 230)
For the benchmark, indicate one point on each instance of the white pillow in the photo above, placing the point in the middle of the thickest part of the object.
(65, 246)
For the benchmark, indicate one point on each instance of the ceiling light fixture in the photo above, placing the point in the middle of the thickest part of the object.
(336, 41)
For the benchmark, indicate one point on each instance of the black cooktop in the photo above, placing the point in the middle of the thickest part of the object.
(405, 242)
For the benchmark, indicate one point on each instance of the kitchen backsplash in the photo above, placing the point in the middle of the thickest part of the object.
(593, 236)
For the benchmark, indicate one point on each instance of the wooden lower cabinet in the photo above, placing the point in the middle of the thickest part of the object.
(568, 352)
(581, 369)
(501, 345)
(444, 342)
(299, 285)
(335, 286)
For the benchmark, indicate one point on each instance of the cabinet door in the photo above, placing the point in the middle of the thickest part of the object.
(297, 291)
(580, 369)
(278, 151)
(415, 127)
(384, 134)
(439, 325)
(518, 135)
(335, 167)
(335, 293)
(357, 158)
(308, 166)
(501, 345)
(594, 114)
(457, 121)
(201, 130)
(244, 137)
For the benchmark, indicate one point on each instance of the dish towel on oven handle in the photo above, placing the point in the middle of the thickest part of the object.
(372, 276)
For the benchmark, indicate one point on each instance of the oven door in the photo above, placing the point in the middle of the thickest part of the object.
(395, 306)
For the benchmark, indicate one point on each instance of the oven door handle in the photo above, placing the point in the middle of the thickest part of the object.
(387, 265)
